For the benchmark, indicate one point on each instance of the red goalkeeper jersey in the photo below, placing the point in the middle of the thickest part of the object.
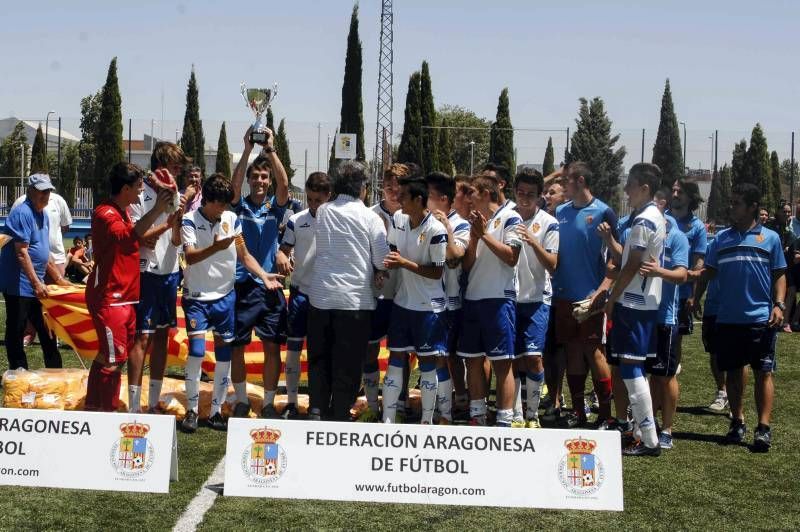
(115, 277)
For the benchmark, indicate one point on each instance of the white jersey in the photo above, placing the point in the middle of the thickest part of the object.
(59, 216)
(299, 235)
(425, 245)
(452, 276)
(162, 260)
(648, 230)
(212, 278)
(390, 283)
(533, 278)
(489, 277)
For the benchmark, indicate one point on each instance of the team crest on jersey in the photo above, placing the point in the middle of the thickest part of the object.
(193, 323)
(225, 227)
(497, 223)
(421, 238)
(264, 460)
(759, 238)
(132, 454)
(536, 227)
(589, 220)
(580, 471)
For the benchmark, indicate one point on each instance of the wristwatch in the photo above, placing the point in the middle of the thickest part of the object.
(781, 305)
(267, 149)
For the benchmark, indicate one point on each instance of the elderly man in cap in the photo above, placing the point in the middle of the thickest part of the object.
(22, 269)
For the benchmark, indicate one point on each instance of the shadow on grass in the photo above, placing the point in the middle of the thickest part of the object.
(700, 411)
(719, 439)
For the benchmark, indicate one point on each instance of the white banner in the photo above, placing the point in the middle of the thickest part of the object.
(345, 146)
(87, 450)
(474, 466)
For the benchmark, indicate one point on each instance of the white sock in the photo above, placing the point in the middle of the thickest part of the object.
(392, 384)
(371, 382)
(428, 384)
(533, 391)
(517, 415)
(220, 386)
(134, 398)
(642, 408)
(192, 382)
(444, 402)
(292, 375)
(505, 417)
(241, 392)
(269, 397)
(477, 408)
(154, 393)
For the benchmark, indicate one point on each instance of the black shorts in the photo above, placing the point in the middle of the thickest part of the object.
(685, 320)
(743, 344)
(262, 309)
(667, 359)
(709, 338)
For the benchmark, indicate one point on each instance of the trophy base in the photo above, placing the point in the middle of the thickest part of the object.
(258, 137)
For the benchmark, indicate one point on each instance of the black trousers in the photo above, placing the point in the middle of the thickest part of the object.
(20, 309)
(337, 347)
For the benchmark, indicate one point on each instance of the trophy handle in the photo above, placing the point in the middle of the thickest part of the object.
(243, 89)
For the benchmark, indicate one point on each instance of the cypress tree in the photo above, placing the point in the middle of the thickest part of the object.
(69, 173)
(430, 151)
(108, 143)
(445, 149)
(775, 173)
(194, 147)
(352, 109)
(11, 161)
(757, 165)
(90, 115)
(593, 144)
(715, 197)
(332, 159)
(410, 141)
(38, 153)
(282, 149)
(223, 165)
(548, 165)
(738, 164)
(270, 120)
(719, 196)
(502, 150)
(667, 152)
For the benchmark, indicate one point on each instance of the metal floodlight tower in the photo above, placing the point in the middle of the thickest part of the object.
(383, 126)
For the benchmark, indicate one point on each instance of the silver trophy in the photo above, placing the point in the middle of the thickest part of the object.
(259, 100)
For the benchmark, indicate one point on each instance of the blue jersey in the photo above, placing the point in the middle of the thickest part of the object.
(744, 263)
(676, 254)
(260, 229)
(695, 231)
(582, 253)
(712, 299)
(24, 225)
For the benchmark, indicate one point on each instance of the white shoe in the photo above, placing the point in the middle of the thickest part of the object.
(720, 404)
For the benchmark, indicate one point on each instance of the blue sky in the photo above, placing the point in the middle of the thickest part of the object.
(731, 63)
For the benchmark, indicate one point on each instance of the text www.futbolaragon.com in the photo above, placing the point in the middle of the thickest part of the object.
(19, 472)
(439, 491)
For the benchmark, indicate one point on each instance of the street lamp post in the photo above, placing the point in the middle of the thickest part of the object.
(711, 138)
(684, 144)
(471, 157)
(46, 130)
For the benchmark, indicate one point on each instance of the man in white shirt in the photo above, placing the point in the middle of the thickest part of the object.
(537, 261)
(419, 245)
(209, 298)
(351, 245)
(489, 314)
(299, 243)
(441, 194)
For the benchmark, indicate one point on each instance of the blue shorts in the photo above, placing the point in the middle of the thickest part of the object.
(667, 359)
(454, 318)
(262, 309)
(297, 317)
(487, 328)
(157, 301)
(532, 321)
(420, 332)
(217, 316)
(634, 335)
(381, 317)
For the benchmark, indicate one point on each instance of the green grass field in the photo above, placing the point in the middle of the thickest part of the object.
(700, 484)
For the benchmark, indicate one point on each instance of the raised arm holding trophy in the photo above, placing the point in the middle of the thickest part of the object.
(258, 101)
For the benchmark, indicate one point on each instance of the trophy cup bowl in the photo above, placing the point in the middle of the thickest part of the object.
(258, 101)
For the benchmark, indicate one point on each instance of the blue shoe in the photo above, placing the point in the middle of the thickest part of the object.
(665, 440)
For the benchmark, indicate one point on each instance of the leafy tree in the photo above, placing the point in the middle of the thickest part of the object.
(445, 149)
(90, 116)
(667, 152)
(503, 135)
(467, 128)
(775, 175)
(786, 171)
(593, 144)
(352, 108)
(270, 119)
(69, 173)
(719, 196)
(39, 153)
(332, 160)
(108, 143)
(430, 151)
(282, 149)
(193, 141)
(548, 165)
(738, 163)
(410, 142)
(757, 169)
(223, 165)
(12, 164)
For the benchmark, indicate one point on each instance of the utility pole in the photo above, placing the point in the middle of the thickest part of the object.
(385, 105)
